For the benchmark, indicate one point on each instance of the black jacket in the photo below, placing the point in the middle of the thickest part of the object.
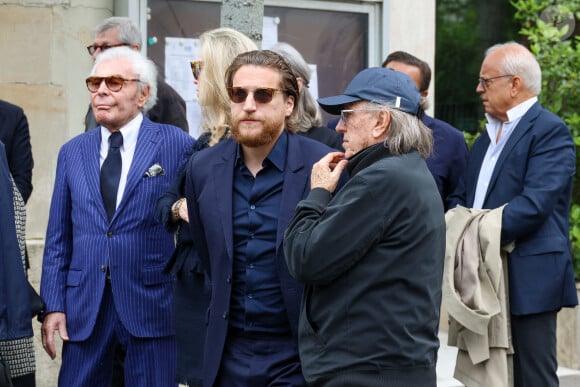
(371, 258)
(15, 135)
(15, 319)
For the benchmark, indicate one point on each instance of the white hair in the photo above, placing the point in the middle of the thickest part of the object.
(143, 67)
(518, 60)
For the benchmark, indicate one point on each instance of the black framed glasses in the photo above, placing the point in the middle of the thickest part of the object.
(114, 83)
(484, 82)
(196, 67)
(93, 47)
(261, 94)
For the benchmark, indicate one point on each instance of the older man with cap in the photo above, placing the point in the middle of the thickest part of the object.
(371, 254)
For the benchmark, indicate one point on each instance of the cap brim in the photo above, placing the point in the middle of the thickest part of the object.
(333, 105)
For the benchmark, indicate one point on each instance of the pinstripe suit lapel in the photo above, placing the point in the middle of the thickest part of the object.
(148, 142)
(90, 159)
(223, 180)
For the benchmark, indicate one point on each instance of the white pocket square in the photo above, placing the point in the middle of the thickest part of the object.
(155, 170)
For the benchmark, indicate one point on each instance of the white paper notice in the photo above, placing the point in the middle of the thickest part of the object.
(178, 53)
(270, 32)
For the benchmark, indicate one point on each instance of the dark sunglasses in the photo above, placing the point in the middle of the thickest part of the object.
(196, 68)
(93, 47)
(261, 94)
(114, 83)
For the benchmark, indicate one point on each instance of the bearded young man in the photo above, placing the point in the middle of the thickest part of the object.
(241, 194)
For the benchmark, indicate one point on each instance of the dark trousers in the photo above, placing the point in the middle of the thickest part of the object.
(534, 341)
(148, 361)
(260, 361)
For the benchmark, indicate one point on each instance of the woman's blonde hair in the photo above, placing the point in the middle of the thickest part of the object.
(219, 47)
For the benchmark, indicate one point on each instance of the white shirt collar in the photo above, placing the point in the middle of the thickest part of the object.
(516, 112)
(129, 132)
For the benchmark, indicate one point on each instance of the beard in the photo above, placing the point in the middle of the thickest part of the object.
(253, 137)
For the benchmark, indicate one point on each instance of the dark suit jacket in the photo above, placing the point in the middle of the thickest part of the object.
(170, 108)
(533, 175)
(81, 242)
(449, 157)
(15, 319)
(15, 135)
(209, 187)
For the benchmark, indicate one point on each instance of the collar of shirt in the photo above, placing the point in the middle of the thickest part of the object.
(277, 155)
(129, 132)
(514, 115)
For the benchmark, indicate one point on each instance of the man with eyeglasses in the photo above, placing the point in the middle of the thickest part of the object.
(526, 161)
(121, 31)
(241, 193)
(103, 275)
(371, 254)
(449, 157)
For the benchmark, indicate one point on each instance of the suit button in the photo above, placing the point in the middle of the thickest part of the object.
(229, 280)
(110, 233)
(103, 268)
(225, 315)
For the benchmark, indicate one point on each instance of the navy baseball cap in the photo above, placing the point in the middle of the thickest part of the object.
(380, 85)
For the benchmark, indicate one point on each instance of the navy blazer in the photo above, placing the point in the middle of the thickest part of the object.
(15, 319)
(81, 241)
(533, 175)
(209, 187)
(15, 135)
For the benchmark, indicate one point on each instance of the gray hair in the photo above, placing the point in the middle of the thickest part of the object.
(518, 60)
(143, 68)
(129, 33)
(406, 132)
(308, 113)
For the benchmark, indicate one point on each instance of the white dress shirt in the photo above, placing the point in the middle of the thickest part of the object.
(494, 150)
(130, 133)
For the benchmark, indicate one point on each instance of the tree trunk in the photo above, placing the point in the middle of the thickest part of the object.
(245, 16)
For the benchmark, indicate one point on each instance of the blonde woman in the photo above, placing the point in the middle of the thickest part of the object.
(191, 297)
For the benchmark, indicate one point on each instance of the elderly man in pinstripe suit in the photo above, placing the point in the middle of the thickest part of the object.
(102, 275)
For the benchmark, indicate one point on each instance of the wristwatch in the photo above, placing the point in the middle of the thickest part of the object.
(175, 209)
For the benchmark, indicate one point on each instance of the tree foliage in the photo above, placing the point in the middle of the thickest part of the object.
(548, 26)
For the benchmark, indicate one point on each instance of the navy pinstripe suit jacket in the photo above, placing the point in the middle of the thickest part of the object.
(81, 242)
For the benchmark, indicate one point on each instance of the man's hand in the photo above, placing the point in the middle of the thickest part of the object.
(326, 172)
(55, 321)
(183, 214)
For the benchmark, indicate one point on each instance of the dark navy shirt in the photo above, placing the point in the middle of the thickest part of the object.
(257, 304)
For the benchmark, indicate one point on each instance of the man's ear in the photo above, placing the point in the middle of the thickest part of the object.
(517, 85)
(143, 96)
(382, 123)
(289, 105)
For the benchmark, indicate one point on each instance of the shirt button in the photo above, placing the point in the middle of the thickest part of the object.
(251, 296)
(252, 235)
(251, 265)
(225, 315)
(110, 233)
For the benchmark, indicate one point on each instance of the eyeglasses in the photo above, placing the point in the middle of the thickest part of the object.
(344, 114)
(93, 47)
(196, 68)
(484, 82)
(114, 83)
(261, 94)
